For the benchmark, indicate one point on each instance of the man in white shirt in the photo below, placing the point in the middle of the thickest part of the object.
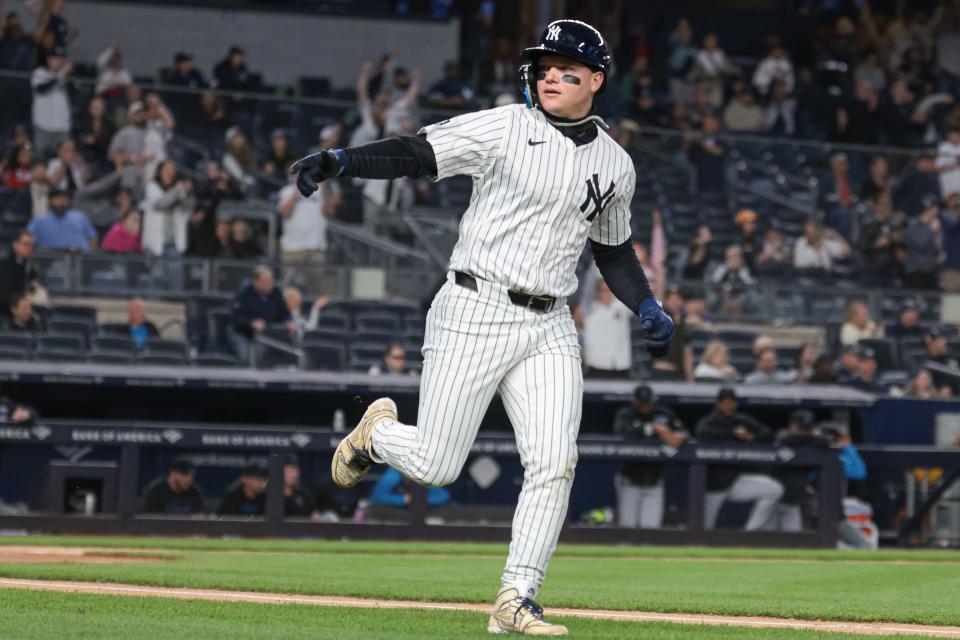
(606, 335)
(819, 248)
(948, 161)
(51, 106)
(304, 240)
(765, 370)
(776, 66)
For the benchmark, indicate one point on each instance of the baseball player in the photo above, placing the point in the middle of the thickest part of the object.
(546, 177)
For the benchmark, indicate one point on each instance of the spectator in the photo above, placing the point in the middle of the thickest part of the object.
(920, 182)
(678, 363)
(733, 281)
(22, 318)
(938, 351)
(139, 328)
(242, 245)
(51, 21)
(160, 126)
(62, 227)
(279, 157)
(239, 161)
(638, 93)
(819, 248)
(450, 92)
(923, 388)
(175, 494)
(211, 117)
(96, 132)
(708, 155)
(124, 235)
(839, 190)
(15, 413)
(217, 183)
(848, 363)
(765, 371)
(879, 239)
(776, 66)
(774, 258)
(606, 334)
(857, 324)
(112, 78)
(17, 274)
(824, 370)
(653, 261)
(715, 364)
(128, 149)
(18, 52)
(231, 75)
(904, 121)
(39, 190)
(248, 497)
(948, 161)
(304, 239)
(746, 221)
(726, 425)
(394, 362)
(742, 112)
(864, 119)
(924, 244)
(878, 181)
(257, 305)
(639, 485)
(67, 171)
(801, 433)
(698, 254)
(202, 240)
(294, 301)
(167, 206)
(296, 502)
(51, 106)
(907, 324)
(780, 115)
(392, 489)
(950, 226)
(806, 361)
(683, 56)
(695, 308)
(711, 67)
(866, 375)
(185, 74)
(377, 120)
(18, 171)
(870, 71)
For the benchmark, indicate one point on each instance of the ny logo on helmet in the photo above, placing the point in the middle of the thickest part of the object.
(553, 32)
(599, 201)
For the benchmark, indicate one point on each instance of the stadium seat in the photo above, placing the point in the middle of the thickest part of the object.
(74, 312)
(59, 341)
(113, 329)
(155, 346)
(326, 335)
(333, 320)
(8, 352)
(168, 358)
(383, 338)
(363, 355)
(110, 356)
(216, 360)
(78, 328)
(59, 354)
(376, 322)
(269, 357)
(113, 343)
(323, 357)
(16, 341)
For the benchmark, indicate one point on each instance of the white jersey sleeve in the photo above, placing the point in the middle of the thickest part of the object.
(467, 144)
(612, 226)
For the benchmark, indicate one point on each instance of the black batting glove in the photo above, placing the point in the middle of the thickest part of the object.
(314, 169)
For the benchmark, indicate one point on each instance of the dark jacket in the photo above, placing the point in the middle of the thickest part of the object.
(798, 481)
(236, 503)
(14, 277)
(249, 305)
(716, 428)
(161, 499)
(636, 426)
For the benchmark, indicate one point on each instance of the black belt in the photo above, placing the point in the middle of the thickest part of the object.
(534, 303)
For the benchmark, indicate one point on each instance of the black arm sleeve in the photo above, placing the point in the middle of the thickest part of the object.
(45, 87)
(622, 272)
(410, 156)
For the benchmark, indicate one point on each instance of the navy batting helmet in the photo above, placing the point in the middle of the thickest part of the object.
(570, 38)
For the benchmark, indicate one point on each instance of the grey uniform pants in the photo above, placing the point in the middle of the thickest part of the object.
(762, 490)
(639, 506)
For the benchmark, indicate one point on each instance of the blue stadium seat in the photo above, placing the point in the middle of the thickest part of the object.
(216, 360)
(168, 358)
(59, 341)
(115, 343)
(323, 357)
(110, 356)
(157, 346)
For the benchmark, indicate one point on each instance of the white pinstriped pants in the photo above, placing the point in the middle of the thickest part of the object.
(478, 342)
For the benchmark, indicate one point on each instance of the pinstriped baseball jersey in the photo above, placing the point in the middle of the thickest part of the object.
(536, 198)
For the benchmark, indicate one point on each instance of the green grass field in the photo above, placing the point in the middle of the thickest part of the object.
(907, 587)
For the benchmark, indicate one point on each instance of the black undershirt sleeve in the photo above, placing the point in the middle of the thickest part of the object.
(622, 272)
(410, 156)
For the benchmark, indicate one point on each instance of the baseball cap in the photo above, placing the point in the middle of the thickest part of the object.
(908, 305)
(254, 470)
(182, 56)
(278, 133)
(867, 352)
(936, 332)
(803, 418)
(725, 393)
(644, 393)
(850, 348)
(182, 465)
(929, 201)
(58, 51)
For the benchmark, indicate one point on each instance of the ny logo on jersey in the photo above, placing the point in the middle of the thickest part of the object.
(553, 33)
(599, 201)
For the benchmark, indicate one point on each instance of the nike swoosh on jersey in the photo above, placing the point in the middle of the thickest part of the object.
(533, 144)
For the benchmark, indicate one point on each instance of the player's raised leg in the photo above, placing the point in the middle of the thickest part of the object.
(471, 341)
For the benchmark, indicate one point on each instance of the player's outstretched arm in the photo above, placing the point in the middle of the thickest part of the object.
(623, 274)
(408, 156)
